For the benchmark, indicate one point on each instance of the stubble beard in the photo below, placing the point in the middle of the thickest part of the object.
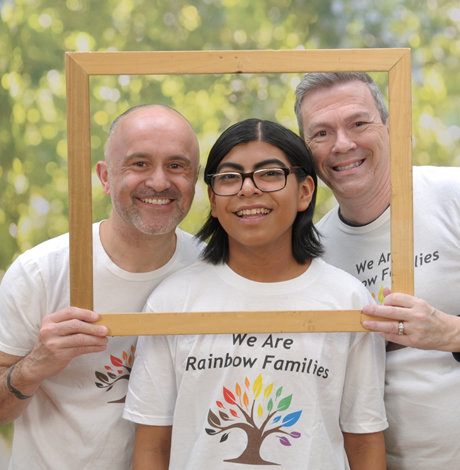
(158, 225)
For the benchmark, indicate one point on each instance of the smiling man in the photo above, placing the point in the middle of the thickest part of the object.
(61, 378)
(344, 119)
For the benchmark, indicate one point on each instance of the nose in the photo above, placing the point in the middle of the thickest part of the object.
(249, 188)
(158, 180)
(343, 142)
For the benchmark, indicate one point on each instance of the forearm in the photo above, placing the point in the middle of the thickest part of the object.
(152, 447)
(365, 451)
(16, 389)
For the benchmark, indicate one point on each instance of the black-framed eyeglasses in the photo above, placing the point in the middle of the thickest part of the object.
(266, 180)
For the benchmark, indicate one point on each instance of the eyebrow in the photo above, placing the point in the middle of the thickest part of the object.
(136, 155)
(262, 164)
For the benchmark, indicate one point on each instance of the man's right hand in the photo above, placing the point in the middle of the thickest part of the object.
(63, 335)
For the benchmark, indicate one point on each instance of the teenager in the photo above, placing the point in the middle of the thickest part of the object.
(227, 401)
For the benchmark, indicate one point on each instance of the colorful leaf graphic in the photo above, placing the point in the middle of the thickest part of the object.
(213, 420)
(102, 377)
(130, 359)
(229, 397)
(234, 413)
(270, 405)
(98, 385)
(238, 389)
(276, 419)
(381, 297)
(246, 400)
(257, 387)
(285, 403)
(268, 391)
(295, 434)
(125, 356)
(224, 437)
(278, 392)
(210, 431)
(115, 361)
(284, 440)
(112, 376)
(291, 419)
(108, 368)
(247, 383)
(224, 416)
(132, 348)
(260, 411)
(220, 404)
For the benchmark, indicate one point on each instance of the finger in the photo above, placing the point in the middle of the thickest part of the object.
(404, 340)
(83, 342)
(384, 311)
(70, 313)
(75, 326)
(400, 300)
(51, 329)
(387, 327)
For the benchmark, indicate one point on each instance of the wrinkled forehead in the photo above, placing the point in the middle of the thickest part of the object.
(345, 98)
(154, 127)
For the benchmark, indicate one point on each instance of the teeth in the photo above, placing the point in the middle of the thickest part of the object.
(253, 212)
(348, 167)
(157, 201)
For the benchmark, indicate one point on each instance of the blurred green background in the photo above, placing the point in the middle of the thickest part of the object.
(34, 35)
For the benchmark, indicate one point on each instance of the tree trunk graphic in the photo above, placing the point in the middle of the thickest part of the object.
(251, 455)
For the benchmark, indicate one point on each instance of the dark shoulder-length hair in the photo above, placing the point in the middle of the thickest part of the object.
(305, 238)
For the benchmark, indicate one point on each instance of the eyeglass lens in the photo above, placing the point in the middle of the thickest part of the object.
(272, 179)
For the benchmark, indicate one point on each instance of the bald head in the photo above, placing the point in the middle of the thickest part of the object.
(159, 110)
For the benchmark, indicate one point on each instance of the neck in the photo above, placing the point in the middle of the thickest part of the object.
(265, 265)
(362, 211)
(134, 251)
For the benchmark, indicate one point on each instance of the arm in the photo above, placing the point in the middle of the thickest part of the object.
(63, 335)
(152, 447)
(425, 327)
(365, 451)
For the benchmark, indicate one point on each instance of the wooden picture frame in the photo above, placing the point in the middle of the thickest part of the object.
(81, 65)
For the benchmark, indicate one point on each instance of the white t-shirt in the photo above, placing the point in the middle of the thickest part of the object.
(74, 419)
(421, 387)
(283, 399)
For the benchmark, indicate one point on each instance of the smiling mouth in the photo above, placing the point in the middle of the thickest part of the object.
(160, 202)
(252, 212)
(348, 167)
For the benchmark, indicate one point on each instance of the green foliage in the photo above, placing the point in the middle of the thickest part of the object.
(34, 35)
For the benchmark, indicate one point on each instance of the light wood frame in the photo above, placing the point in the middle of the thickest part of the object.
(81, 65)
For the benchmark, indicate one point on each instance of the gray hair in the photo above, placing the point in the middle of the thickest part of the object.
(314, 81)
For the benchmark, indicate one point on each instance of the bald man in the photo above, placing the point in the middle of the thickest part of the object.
(61, 378)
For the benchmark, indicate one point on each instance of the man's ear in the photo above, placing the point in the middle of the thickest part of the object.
(212, 201)
(306, 190)
(102, 170)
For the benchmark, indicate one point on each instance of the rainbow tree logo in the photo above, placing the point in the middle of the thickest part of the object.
(258, 419)
(121, 370)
